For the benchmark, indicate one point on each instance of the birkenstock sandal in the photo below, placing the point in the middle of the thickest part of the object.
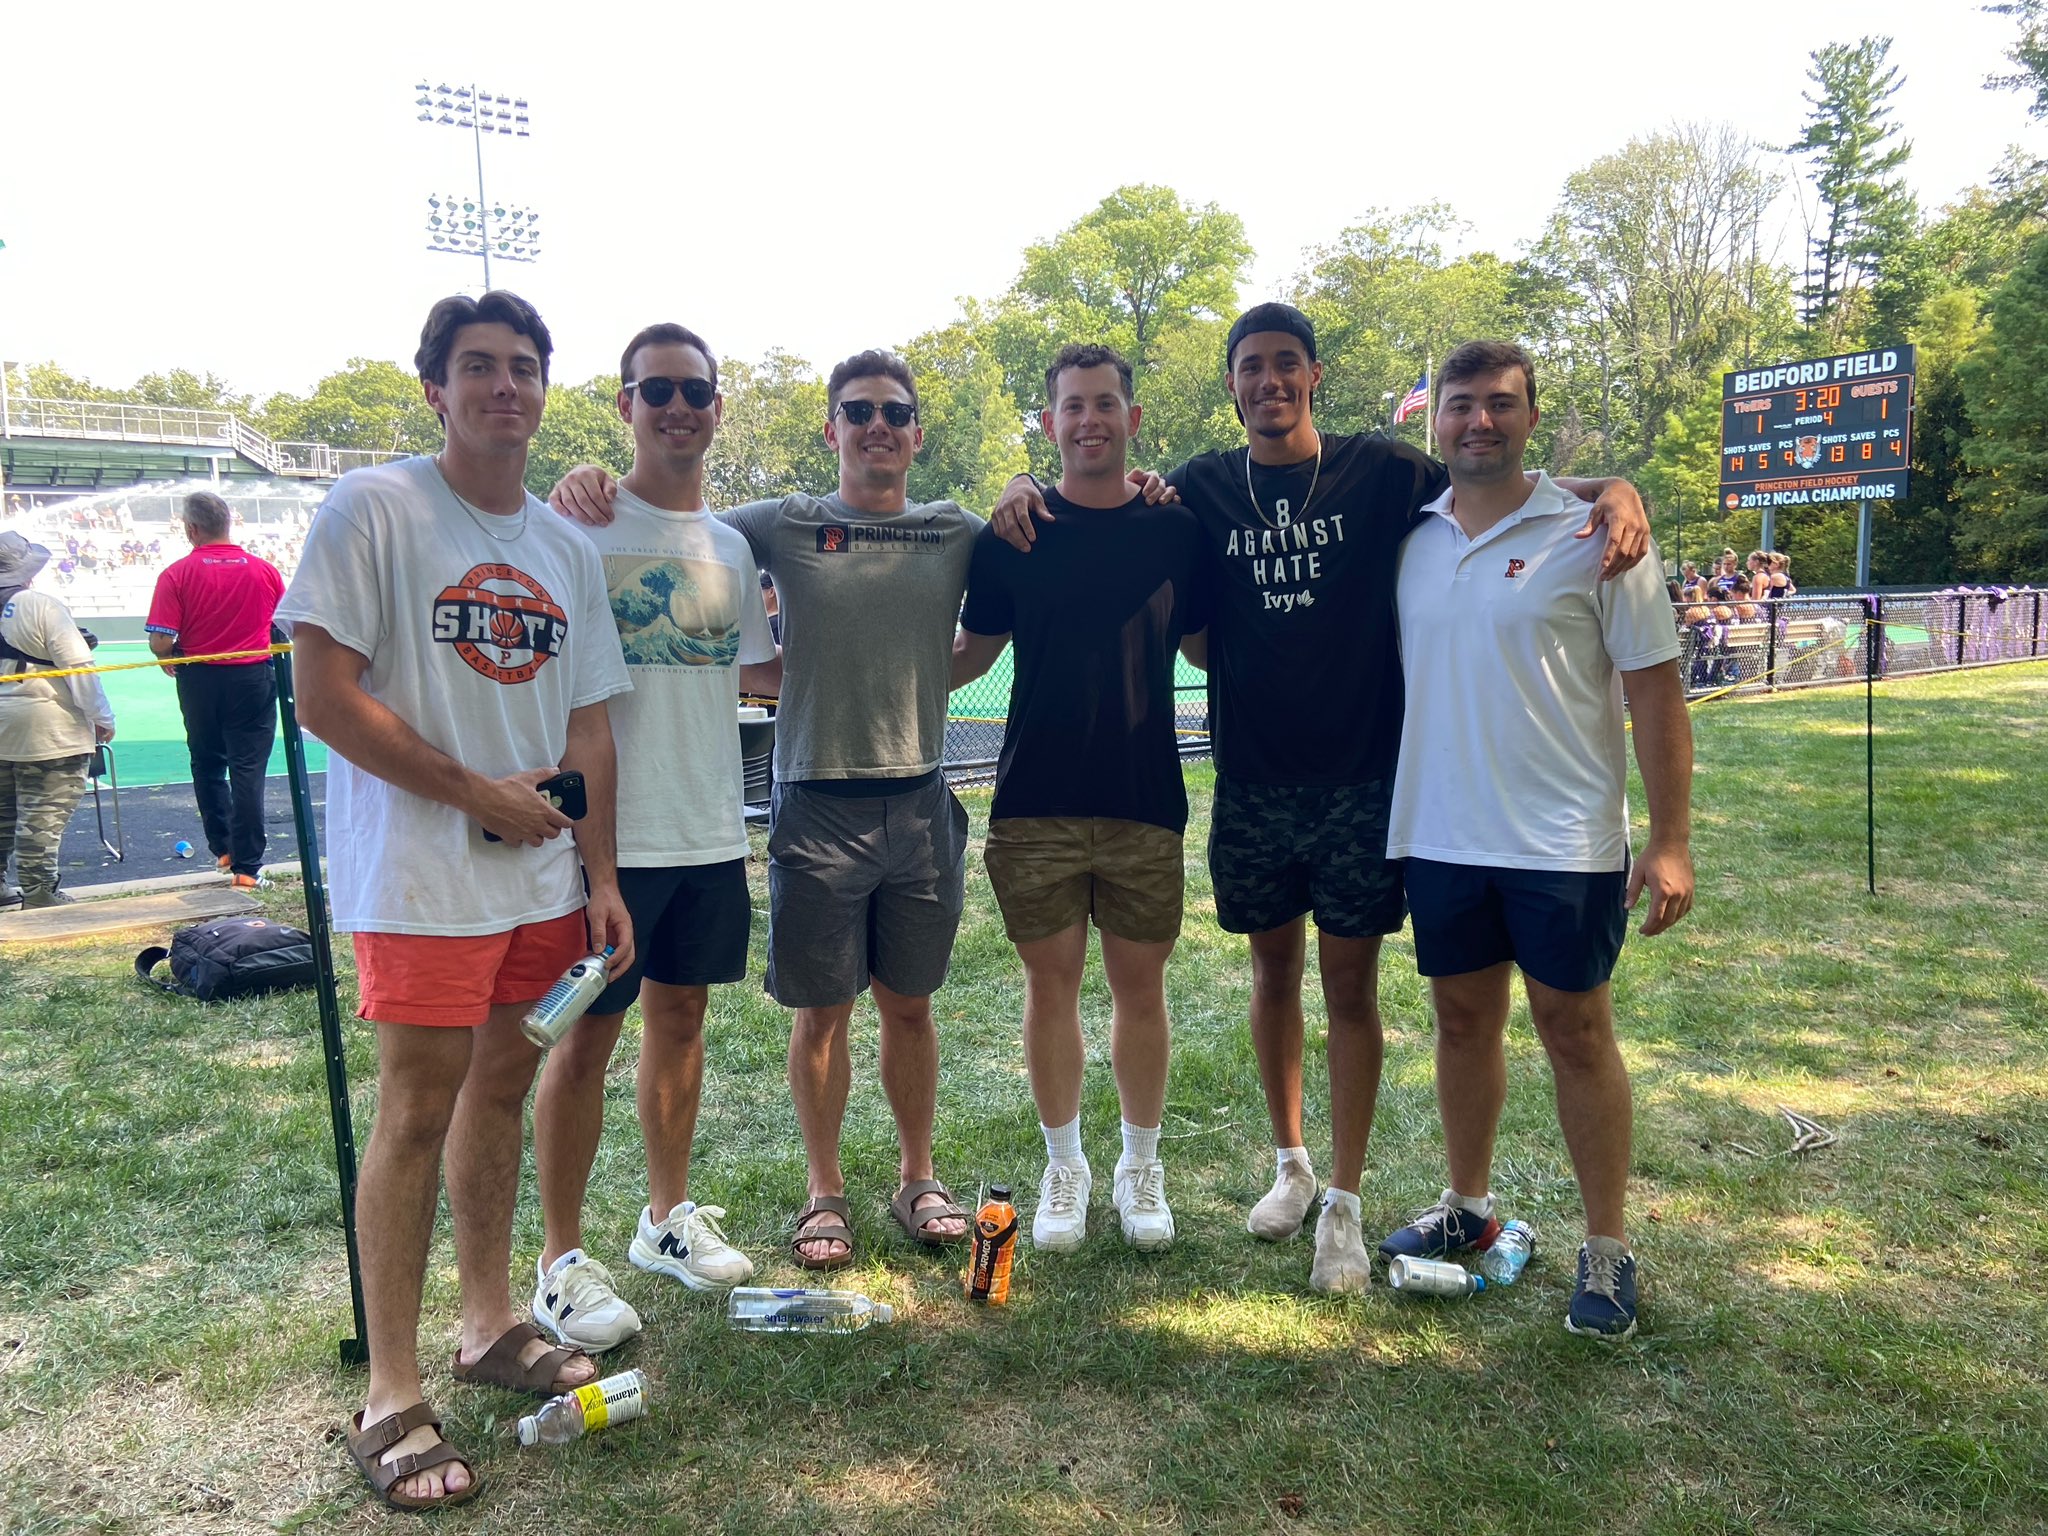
(366, 1445)
(917, 1224)
(499, 1365)
(812, 1230)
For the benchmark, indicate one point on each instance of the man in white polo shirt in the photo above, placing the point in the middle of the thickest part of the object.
(1510, 808)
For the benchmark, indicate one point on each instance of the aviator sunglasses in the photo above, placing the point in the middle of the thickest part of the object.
(657, 392)
(861, 412)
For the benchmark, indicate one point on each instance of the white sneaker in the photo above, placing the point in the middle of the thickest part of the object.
(577, 1303)
(1282, 1209)
(687, 1245)
(1061, 1220)
(1342, 1263)
(1140, 1195)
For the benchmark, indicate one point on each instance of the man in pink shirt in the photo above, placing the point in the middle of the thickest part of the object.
(219, 600)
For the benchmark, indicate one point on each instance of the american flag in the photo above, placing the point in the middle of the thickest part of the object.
(1418, 400)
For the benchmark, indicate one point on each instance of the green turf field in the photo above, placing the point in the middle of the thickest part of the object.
(149, 733)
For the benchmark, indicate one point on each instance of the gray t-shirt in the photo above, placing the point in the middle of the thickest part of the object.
(869, 604)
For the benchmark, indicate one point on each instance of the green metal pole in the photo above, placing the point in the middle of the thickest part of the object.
(354, 1351)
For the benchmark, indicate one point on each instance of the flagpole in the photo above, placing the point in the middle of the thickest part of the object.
(1428, 414)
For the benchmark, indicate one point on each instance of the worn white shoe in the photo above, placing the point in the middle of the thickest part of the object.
(577, 1303)
(1140, 1195)
(1282, 1209)
(1342, 1263)
(1061, 1220)
(688, 1245)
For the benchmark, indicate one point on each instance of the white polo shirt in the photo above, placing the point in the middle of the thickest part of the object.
(1513, 752)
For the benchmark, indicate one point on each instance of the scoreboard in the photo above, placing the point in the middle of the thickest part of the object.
(1832, 429)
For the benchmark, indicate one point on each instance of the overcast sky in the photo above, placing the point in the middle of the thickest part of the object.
(227, 187)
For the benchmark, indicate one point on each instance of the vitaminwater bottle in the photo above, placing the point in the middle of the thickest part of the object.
(1433, 1277)
(564, 1003)
(1513, 1247)
(575, 1414)
(994, 1250)
(757, 1309)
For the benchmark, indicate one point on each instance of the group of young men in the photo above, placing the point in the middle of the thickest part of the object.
(458, 645)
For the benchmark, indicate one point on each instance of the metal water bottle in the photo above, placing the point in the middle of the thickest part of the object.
(564, 1003)
(1432, 1277)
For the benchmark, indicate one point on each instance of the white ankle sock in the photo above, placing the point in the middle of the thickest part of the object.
(1063, 1142)
(1478, 1205)
(1282, 1156)
(1335, 1197)
(1141, 1143)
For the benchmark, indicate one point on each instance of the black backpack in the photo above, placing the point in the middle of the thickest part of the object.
(232, 957)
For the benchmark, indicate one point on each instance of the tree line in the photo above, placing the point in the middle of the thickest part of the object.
(1658, 270)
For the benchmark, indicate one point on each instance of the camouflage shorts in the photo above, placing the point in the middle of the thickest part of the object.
(1277, 851)
(36, 802)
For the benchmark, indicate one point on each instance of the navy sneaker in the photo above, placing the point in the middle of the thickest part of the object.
(1604, 1300)
(1440, 1231)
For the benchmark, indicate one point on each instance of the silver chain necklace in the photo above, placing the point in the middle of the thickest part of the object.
(1286, 517)
(481, 518)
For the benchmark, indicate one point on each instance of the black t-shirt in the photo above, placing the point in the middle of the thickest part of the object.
(1304, 658)
(1095, 613)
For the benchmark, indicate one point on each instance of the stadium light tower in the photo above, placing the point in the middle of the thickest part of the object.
(455, 224)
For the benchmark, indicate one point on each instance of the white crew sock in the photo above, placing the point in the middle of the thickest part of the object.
(1298, 1156)
(1334, 1197)
(1063, 1142)
(1478, 1205)
(1141, 1143)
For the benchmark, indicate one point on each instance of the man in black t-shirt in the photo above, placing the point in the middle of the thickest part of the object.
(1089, 806)
(1303, 529)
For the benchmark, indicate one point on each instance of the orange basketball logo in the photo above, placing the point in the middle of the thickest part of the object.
(501, 621)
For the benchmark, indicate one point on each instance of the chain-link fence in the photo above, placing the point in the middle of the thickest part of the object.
(979, 712)
(1802, 642)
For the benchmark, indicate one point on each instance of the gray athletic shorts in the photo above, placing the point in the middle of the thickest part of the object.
(861, 888)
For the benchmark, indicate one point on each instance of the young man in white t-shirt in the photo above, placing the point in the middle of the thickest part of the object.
(1510, 808)
(686, 600)
(454, 649)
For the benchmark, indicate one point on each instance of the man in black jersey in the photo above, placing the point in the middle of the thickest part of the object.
(1305, 699)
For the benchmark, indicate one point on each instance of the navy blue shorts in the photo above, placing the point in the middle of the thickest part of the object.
(690, 927)
(1562, 927)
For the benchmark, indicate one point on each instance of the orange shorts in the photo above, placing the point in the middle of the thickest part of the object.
(417, 978)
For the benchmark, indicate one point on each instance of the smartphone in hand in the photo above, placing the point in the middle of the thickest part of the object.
(565, 792)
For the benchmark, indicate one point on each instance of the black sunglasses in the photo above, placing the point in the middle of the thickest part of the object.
(894, 412)
(657, 392)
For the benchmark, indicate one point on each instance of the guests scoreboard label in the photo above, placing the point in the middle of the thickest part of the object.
(1830, 430)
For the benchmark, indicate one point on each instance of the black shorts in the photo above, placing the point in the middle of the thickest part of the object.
(1277, 851)
(1563, 927)
(690, 925)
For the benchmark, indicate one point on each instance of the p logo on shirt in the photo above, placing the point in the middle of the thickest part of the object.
(1515, 568)
(831, 539)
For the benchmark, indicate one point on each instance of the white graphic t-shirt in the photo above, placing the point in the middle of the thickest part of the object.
(686, 598)
(483, 646)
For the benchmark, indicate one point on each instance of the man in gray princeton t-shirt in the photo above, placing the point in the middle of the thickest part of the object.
(867, 852)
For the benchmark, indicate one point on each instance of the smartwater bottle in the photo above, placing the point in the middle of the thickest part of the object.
(758, 1309)
(564, 1003)
(1432, 1277)
(575, 1414)
(1503, 1263)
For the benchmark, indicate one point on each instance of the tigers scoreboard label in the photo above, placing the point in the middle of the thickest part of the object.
(1829, 430)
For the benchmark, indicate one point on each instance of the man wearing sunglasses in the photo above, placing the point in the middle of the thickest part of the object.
(686, 598)
(867, 849)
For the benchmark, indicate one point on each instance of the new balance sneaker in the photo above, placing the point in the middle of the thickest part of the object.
(1282, 1209)
(577, 1303)
(1604, 1300)
(1140, 1196)
(1061, 1220)
(688, 1245)
(1442, 1230)
(1341, 1260)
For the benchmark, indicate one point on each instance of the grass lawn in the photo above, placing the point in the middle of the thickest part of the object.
(1851, 1341)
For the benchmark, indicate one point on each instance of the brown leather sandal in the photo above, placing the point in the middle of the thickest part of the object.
(917, 1224)
(811, 1230)
(366, 1445)
(499, 1365)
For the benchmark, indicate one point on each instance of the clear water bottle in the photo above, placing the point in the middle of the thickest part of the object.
(576, 1414)
(566, 1001)
(1503, 1263)
(757, 1309)
(1432, 1277)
